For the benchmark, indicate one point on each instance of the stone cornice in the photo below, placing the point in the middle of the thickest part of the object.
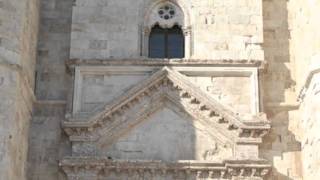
(71, 63)
(226, 169)
(88, 130)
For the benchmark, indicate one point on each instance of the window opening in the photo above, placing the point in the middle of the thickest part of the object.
(166, 42)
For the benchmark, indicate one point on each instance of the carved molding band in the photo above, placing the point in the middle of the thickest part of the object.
(228, 169)
(167, 62)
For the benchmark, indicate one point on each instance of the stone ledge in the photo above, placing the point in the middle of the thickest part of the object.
(258, 168)
(71, 63)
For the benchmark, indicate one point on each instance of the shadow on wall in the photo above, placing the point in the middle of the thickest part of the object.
(47, 142)
(280, 147)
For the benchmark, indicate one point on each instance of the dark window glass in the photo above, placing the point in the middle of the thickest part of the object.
(175, 43)
(166, 43)
(157, 43)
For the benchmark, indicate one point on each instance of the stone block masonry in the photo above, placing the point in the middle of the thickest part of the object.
(280, 35)
(47, 143)
(228, 29)
(18, 40)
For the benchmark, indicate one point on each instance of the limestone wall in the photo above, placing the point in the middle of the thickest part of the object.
(47, 144)
(101, 30)
(230, 29)
(310, 125)
(46, 139)
(304, 36)
(18, 39)
(167, 136)
(305, 50)
(291, 46)
(280, 147)
(53, 49)
(234, 87)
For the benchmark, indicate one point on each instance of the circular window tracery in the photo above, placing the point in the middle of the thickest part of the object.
(166, 11)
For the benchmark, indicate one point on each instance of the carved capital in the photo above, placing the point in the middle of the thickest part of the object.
(186, 31)
(146, 31)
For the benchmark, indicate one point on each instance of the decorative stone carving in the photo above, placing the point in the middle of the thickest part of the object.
(166, 87)
(167, 11)
(216, 153)
(166, 14)
(209, 154)
(206, 106)
(227, 169)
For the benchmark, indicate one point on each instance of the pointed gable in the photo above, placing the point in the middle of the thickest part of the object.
(173, 85)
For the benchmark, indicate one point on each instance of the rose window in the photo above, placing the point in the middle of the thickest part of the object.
(166, 12)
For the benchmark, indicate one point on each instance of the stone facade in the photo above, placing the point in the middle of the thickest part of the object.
(18, 40)
(309, 123)
(215, 30)
(242, 104)
(307, 78)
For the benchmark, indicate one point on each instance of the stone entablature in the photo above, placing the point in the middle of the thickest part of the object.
(102, 167)
(76, 62)
(243, 72)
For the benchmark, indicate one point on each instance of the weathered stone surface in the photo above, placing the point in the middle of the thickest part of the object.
(291, 40)
(53, 49)
(169, 137)
(47, 143)
(218, 30)
(165, 117)
(103, 168)
(309, 121)
(18, 39)
(249, 57)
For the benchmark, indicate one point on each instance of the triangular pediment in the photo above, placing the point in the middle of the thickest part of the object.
(168, 134)
(143, 111)
(142, 98)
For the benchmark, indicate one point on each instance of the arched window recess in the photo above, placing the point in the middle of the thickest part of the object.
(166, 31)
